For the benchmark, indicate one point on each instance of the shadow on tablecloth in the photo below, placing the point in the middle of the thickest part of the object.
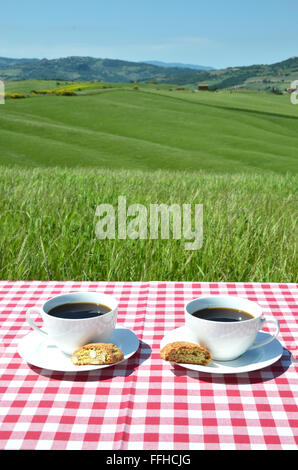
(124, 369)
(262, 375)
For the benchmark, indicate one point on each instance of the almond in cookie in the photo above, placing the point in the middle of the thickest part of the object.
(185, 353)
(97, 353)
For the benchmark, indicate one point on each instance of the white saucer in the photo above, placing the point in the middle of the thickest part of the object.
(251, 360)
(36, 350)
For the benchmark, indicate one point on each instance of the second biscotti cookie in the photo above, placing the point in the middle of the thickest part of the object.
(186, 353)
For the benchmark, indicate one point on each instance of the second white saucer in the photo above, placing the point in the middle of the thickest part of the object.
(251, 360)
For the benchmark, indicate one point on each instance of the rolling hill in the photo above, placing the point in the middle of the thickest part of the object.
(84, 69)
(151, 128)
(258, 77)
(178, 64)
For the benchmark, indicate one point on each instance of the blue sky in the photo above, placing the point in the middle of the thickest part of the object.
(218, 33)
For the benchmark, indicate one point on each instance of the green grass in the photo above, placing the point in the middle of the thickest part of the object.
(235, 153)
(26, 86)
(48, 226)
(152, 129)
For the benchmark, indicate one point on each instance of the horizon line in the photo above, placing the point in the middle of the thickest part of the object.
(143, 61)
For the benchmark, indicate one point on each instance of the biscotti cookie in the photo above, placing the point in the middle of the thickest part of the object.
(97, 353)
(186, 353)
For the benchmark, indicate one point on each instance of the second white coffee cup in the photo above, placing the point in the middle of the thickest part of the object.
(227, 341)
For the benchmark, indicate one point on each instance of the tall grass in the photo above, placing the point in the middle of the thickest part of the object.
(48, 226)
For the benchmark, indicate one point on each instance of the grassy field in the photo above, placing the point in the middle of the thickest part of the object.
(235, 153)
(48, 226)
(152, 129)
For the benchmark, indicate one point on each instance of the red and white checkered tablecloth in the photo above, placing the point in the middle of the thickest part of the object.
(146, 403)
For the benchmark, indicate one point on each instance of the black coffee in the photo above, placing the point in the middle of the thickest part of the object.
(78, 310)
(222, 314)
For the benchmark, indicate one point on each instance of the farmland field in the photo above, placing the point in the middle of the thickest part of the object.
(61, 156)
(152, 129)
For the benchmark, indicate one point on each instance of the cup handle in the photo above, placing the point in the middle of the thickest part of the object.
(271, 337)
(31, 323)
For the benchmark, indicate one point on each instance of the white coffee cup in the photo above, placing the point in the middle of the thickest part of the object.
(70, 334)
(227, 340)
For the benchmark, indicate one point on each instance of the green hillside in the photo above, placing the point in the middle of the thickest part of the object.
(150, 129)
(84, 69)
(262, 77)
(256, 77)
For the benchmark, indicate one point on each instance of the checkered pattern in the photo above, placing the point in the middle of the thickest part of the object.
(146, 403)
